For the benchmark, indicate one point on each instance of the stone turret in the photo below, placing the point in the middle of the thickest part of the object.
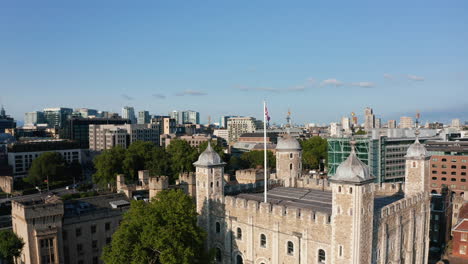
(417, 169)
(157, 185)
(288, 160)
(353, 204)
(187, 180)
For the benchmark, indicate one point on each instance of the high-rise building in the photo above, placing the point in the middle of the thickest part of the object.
(369, 119)
(177, 116)
(346, 124)
(223, 121)
(34, 118)
(77, 128)
(391, 124)
(167, 124)
(85, 112)
(335, 130)
(102, 137)
(456, 123)
(406, 122)
(144, 117)
(191, 117)
(240, 125)
(378, 123)
(57, 117)
(128, 112)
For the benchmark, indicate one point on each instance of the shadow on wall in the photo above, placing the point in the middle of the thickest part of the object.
(221, 239)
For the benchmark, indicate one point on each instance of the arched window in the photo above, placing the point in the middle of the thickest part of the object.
(219, 256)
(351, 190)
(239, 260)
(218, 227)
(290, 248)
(321, 256)
(263, 240)
(239, 233)
(290, 166)
(339, 189)
(290, 155)
(434, 192)
(217, 183)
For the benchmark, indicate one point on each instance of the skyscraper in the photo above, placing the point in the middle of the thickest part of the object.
(191, 117)
(129, 113)
(57, 117)
(6, 121)
(391, 124)
(34, 118)
(144, 117)
(346, 124)
(369, 119)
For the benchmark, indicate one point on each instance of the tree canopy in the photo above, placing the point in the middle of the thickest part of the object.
(256, 158)
(52, 166)
(314, 149)
(10, 246)
(108, 164)
(164, 231)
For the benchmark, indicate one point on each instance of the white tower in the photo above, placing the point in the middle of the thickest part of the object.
(352, 216)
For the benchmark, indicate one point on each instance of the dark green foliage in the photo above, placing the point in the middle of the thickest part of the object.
(163, 231)
(182, 155)
(160, 162)
(313, 151)
(49, 165)
(10, 246)
(256, 158)
(360, 132)
(108, 164)
(137, 157)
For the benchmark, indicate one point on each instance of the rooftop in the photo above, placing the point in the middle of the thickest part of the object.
(315, 200)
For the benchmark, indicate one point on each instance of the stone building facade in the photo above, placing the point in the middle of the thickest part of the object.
(348, 219)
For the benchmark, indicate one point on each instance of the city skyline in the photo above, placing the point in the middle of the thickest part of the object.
(319, 60)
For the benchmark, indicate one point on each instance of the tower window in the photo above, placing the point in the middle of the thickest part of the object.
(321, 256)
(351, 190)
(239, 233)
(290, 166)
(341, 251)
(218, 227)
(219, 256)
(290, 155)
(263, 240)
(290, 248)
(339, 189)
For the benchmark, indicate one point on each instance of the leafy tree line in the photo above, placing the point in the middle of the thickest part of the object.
(10, 246)
(52, 166)
(178, 157)
(314, 150)
(164, 231)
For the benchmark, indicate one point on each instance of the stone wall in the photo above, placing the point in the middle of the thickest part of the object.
(6, 184)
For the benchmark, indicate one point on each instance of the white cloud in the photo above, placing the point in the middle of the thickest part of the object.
(159, 96)
(415, 78)
(298, 88)
(191, 93)
(333, 82)
(363, 84)
(127, 97)
(388, 76)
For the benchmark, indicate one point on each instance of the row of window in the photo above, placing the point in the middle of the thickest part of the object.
(445, 160)
(451, 179)
(93, 228)
(321, 256)
(463, 167)
(451, 173)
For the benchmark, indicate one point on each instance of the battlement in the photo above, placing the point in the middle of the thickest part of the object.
(159, 183)
(310, 182)
(402, 204)
(143, 176)
(389, 188)
(269, 210)
(187, 177)
(249, 176)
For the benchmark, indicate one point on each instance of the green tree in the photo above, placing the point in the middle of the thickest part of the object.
(361, 132)
(164, 231)
(108, 164)
(313, 150)
(256, 158)
(182, 155)
(137, 157)
(160, 162)
(48, 167)
(75, 170)
(10, 246)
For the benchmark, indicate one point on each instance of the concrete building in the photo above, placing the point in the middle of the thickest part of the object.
(346, 124)
(391, 124)
(240, 125)
(456, 123)
(378, 123)
(6, 122)
(406, 122)
(186, 117)
(167, 125)
(21, 154)
(77, 128)
(223, 120)
(369, 119)
(34, 118)
(128, 112)
(335, 130)
(349, 220)
(102, 137)
(222, 133)
(71, 232)
(193, 140)
(143, 117)
(57, 117)
(87, 113)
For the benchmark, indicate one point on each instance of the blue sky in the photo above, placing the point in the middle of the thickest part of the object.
(322, 59)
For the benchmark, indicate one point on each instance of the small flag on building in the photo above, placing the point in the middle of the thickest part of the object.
(266, 114)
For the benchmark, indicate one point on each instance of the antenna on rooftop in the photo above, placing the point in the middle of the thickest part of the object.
(416, 132)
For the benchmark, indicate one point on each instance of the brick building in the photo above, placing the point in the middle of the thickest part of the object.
(460, 235)
(449, 171)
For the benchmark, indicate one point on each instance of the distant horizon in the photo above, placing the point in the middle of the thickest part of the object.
(319, 59)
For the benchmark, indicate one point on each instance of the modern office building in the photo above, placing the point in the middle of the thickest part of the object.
(406, 122)
(22, 153)
(369, 119)
(6, 122)
(77, 128)
(143, 117)
(86, 112)
(57, 117)
(72, 231)
(346, 124)
(102, 137)
(185, 117)
(456, 123)
(128, 112)
(385, 155)
(34, 118)
(335, 130)
(222, 134)
(167, 124)
(240, 125)
(223, 120)
(391, 124)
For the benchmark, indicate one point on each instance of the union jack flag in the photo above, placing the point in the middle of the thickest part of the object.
(266, 114)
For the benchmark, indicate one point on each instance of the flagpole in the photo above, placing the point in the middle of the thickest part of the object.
(265, 167)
